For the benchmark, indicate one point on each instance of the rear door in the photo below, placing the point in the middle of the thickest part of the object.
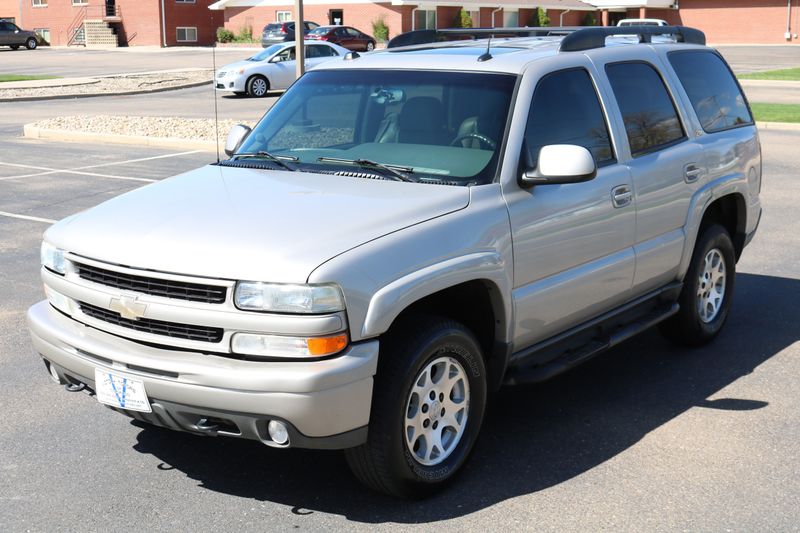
(662, 156)
(6, 33)
(573, 243)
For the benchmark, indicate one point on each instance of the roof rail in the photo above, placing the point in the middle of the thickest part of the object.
(415, 37)
(595, 37)
(576, 38)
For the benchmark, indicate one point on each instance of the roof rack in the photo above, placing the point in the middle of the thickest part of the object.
(595, 37)
(576, 38)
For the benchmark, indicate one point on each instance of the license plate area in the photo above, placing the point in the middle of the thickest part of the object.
(118, 390)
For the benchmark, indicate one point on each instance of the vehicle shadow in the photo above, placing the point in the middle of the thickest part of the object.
(534, 437)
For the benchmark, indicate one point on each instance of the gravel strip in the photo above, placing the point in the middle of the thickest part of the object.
(117, 84)
(199, 129)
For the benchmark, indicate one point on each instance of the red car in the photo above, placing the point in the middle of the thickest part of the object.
(345, 36)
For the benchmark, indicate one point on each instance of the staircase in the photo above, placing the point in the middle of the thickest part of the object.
(99, 34)
(92, 28)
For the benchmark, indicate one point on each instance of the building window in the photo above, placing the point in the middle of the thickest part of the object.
(425, 19)
(12, 20)
(510, 18)
(39, 3)
(283, 16)
(476, 18)
(187, 35)
(80, 2)
(43, 33)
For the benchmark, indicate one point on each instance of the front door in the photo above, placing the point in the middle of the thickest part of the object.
(336, 17)
(111, 8)
(573, 243)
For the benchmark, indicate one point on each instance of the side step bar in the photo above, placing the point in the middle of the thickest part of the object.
(573, 357)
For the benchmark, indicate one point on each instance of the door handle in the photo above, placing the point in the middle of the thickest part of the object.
(621, 196)
(691, 172)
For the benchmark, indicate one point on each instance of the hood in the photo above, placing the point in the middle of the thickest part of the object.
(239, 65)
(245, 224)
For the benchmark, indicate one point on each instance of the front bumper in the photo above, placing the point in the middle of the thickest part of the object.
(230, 83)
(326, 404)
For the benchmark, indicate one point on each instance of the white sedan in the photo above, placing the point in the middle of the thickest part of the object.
(273, 68)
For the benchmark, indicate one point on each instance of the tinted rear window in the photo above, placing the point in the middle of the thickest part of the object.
(714, 93)
(651, 120)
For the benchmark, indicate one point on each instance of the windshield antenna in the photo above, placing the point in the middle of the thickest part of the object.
(214, 88)
(487, 55)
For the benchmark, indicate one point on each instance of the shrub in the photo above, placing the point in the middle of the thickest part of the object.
(589, 20)
(245, 35)
(380, 30)
(541, 17)
(463, 20)
(224, 35)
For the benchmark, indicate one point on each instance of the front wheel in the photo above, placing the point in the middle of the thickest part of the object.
(707, 290)
(31, 44)
(257, 86)
(428, 404)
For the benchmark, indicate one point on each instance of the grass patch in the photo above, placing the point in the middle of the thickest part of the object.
(787, 74)
(24, 77)
(776, 112)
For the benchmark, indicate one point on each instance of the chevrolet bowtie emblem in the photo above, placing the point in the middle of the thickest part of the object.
(128, 307)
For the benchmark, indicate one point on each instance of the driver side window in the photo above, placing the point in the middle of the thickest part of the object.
(566, 110)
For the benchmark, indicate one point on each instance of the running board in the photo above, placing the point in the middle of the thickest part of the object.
(573, 357)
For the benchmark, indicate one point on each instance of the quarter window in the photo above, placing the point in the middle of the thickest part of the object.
(715, 95)
(566, 110)
(186, 35)
(651, 120)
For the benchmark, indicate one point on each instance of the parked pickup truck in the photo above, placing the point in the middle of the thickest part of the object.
(406, 231)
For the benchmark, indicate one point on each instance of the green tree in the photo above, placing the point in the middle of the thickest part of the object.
(589, 19)
(380, 30)
(541, 17)
(463, 20)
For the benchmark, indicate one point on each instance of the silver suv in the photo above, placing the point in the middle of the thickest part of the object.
(404, 232)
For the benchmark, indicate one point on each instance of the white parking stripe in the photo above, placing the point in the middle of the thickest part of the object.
(48, 170)
(27, 217)
(139, 160)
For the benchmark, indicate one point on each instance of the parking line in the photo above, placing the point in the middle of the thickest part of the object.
(140, 159)
(27, 217)
(47, 170)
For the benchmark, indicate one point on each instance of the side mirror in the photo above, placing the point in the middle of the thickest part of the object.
(235, 138)
(559, 164)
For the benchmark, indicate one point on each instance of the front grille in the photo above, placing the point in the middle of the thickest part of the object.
(156, 327)
(180, 290)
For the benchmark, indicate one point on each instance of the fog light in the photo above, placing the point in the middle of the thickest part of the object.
(278, 432)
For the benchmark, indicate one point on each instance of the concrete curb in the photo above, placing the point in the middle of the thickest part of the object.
(786, 84)
(780, 126)
(101, 95)
(32, 132)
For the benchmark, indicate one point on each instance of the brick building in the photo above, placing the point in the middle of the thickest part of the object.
(120, 22)
(9, 10)
(723, 21)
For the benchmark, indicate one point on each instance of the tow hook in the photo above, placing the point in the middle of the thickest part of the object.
(75, 387)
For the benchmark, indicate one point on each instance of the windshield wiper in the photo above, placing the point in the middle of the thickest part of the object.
(279, 159)
(395, 172)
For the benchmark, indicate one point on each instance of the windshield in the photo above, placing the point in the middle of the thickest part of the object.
(266, 53)
(444, 127)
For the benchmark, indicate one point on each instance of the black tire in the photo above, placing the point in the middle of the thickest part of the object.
(31, 43)
(370, 46)
(686, 326)
(257, 86)
(15, 47)
(385, 463)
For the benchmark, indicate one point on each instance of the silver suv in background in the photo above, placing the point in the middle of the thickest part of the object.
(406, 231)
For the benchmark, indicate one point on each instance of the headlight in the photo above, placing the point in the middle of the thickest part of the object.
(280, 346)
(288, 298)
(53, 258)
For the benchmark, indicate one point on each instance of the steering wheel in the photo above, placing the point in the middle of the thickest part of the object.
(482, 138)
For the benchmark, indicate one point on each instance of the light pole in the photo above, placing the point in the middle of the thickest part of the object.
(299, 39)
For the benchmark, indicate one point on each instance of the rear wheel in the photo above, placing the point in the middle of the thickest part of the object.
(31, 43)
(428, 404)
(370, 46)
(707, 290)
(257, 86)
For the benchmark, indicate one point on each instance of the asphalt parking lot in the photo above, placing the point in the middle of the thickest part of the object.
(649, 437)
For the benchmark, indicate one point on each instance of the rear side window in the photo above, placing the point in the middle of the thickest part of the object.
(565, 110)
(714, 93)
(651, 120)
